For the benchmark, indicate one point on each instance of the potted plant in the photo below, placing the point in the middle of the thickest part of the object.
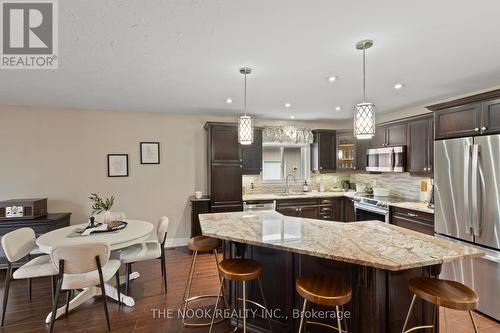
(101, 207)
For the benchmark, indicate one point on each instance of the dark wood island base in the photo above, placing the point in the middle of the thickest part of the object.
(379, 302)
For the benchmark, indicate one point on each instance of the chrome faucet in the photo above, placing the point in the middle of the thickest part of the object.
(287, 184)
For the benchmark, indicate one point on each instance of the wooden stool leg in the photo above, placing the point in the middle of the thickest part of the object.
(302, 315)
(473, 322)
(409, 312)
(345, 319)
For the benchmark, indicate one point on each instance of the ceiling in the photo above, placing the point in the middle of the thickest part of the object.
(183, 56)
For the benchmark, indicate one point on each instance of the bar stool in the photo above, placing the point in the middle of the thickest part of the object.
(241, 270)
(196, 244)
(323, 291)
(445, 293)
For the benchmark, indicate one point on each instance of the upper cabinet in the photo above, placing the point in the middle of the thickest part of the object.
(362, 145)
(224, 167)
(490, 117)
(387, 135)
(346, 151)
(458, 121)
(251, 155)
(468, 116)
(223, 143)
(420, 145)
(323, 151)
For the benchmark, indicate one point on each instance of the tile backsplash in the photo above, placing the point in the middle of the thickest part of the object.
(400, 184)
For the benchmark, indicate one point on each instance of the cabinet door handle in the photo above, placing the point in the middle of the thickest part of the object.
(484, 128)
(321, 168)
(412, 215)
(476, 129)
(425, 169)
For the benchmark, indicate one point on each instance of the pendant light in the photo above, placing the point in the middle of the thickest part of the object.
(245, 123)
(364, 113)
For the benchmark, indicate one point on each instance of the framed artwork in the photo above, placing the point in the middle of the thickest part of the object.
(150, 153)
(117, 165)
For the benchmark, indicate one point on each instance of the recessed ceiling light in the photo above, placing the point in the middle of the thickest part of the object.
(398, 86)
(287, 105)
(338, 108)
(332, 78)
(292, 117)
(229, 101)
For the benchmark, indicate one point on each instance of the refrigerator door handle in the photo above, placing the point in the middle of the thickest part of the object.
(467, 173)
(476, 228)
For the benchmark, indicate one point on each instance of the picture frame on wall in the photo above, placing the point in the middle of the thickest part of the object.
(117, 165)
(150, 152)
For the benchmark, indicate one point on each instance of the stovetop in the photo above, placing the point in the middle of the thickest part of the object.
(378, 201)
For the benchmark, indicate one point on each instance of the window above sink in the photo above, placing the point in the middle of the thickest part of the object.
(279, 160)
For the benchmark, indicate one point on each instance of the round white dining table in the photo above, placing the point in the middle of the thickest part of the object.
(135, 232)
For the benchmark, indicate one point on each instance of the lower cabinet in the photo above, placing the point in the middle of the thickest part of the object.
(348, 214)
(328, 209)
(413, 220)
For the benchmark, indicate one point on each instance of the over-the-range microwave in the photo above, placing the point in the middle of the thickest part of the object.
(387, 159)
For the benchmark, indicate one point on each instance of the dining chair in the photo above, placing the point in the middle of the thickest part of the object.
(83, 266)
(147, 251)
(16, 245)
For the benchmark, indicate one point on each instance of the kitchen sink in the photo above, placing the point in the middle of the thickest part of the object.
(291, 194)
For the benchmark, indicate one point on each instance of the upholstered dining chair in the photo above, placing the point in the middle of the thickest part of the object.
(18, 244)
(82, 266)
(147, 251)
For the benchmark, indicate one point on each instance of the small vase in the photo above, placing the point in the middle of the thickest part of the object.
(106, 218)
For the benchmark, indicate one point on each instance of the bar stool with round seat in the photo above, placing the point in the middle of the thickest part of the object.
(445, 293)
(324, 291)
(241, 270)
(197, 244)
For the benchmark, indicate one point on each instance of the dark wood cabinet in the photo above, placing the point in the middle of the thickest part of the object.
(379, 139)
(346, 151)
(224, 167)
(411, 219)
(328, 209)
(490, 118)
(420, 145)
(323, 151)
(392, 134)
(198, 206)
(458, 121)
(348, 214)
(223, 141)
(40, 225)
(225, 184)
(362, 145)
(251, 155)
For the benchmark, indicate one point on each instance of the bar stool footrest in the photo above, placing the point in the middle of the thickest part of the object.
(419, 328)
(195, 298)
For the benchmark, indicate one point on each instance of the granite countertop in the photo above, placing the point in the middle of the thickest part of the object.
(369, 243)
(410, 204)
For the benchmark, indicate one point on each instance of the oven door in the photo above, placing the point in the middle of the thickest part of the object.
(368, 213)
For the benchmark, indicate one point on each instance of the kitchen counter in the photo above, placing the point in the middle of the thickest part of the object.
(414, 205)
(369, 243)
(410, 204)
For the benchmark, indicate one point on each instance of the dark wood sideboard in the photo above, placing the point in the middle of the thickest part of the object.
(40, 225)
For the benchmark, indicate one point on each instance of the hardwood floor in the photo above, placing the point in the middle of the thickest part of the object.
(23, 316)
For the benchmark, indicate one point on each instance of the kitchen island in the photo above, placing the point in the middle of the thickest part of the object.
(377, 259)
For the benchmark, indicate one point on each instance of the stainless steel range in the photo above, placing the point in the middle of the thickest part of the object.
(369, 207)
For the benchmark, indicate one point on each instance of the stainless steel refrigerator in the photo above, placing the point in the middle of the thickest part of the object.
(467, 210)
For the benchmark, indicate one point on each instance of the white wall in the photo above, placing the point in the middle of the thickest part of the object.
(61, 154)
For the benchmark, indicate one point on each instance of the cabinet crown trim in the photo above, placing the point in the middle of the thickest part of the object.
(466, 100)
